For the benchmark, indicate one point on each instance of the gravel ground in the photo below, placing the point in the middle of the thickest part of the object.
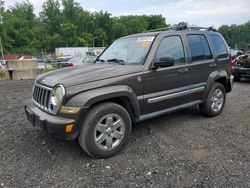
(182, 149)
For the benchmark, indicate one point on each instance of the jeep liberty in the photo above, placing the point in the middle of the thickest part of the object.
(137, 77)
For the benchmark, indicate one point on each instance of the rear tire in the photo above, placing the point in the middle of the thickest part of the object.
(105, 131)
(215, 101)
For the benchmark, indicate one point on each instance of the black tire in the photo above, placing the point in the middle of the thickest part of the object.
(206, 107)
(88, 133)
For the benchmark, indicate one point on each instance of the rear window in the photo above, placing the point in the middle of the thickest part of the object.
(199, 47)
(219, 46)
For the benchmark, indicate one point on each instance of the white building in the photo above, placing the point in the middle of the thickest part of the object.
(78, 51)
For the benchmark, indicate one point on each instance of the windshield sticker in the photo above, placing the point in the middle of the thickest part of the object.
(145, 44)
(143, 39)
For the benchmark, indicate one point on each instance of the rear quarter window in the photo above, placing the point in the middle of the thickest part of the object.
(219, 46)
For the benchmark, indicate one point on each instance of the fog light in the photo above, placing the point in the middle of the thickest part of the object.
(69, 110)
(69, 128)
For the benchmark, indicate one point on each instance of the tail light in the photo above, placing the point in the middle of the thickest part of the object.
(232, 65)
(71, 64)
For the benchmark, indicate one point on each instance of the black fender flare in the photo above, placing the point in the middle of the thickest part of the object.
(87, 98)
(212, 78)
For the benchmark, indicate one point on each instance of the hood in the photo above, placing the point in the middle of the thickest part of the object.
(86, 73)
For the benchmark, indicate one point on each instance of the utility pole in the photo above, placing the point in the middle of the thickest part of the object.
(1, 46)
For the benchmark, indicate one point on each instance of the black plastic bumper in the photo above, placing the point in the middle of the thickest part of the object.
(50, 123)
(231, 81)
(241, 72)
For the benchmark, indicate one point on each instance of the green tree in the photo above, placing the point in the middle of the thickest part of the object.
(118, 30)
(71, 11)
(65, 23)
(156, 22)
(51, 16)
(237, 36)
(134, 24)
(1, 11)
(18, 23)
(69, 34)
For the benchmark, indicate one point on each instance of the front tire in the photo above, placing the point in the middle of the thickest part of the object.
(215, 100)
(105, 131)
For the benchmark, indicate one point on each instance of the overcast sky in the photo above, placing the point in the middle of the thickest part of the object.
(201, 13)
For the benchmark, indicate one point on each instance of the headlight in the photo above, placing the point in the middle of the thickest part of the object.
(58, 94)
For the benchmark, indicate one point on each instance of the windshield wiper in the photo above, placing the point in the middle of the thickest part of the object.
(114, 60)
(100, 60)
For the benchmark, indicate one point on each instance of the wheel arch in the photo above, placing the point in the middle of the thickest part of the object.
(119, 94)
(217, 76)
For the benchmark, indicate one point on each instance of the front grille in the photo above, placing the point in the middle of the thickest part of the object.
(41, 96)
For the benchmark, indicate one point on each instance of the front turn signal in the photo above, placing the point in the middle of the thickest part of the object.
(69, 128)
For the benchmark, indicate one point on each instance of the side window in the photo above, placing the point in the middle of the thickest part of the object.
(219, 46)
(207, 50)
(199, 47)
(196, 48)
(171, 46)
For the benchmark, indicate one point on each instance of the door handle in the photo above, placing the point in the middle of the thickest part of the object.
(212, 65)
(182, 71)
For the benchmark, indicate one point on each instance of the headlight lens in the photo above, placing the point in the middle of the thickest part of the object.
(58, 94)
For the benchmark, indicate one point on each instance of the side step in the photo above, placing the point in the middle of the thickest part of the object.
(169, 110)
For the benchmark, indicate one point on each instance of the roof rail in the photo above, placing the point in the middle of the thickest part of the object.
(202, 28)
(183, 27)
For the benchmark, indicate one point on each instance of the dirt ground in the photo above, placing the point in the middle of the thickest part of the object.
(182, 149)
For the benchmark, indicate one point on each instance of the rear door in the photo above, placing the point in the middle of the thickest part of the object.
(221, 51)
(202, 63)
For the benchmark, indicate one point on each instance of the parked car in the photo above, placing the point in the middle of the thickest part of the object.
(76, 61)
(42, 65)
(242, 67)
(64, 58)
(236, 53)
(138, 77)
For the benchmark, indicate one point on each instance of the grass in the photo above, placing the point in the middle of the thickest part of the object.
(3, 74)
(54, 67)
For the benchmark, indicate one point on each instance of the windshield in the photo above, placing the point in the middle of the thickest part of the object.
(131, 50)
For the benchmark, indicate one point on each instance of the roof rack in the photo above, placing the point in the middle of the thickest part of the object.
(183, 27)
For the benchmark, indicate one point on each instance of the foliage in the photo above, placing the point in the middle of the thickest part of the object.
(237, 36)
(3, 74)
(65, 23)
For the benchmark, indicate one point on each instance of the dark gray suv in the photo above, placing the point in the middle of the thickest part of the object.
(136, 78)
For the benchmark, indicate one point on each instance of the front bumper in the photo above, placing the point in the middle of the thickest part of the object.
(53, 124)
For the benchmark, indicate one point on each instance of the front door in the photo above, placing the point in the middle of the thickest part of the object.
(166, 87)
